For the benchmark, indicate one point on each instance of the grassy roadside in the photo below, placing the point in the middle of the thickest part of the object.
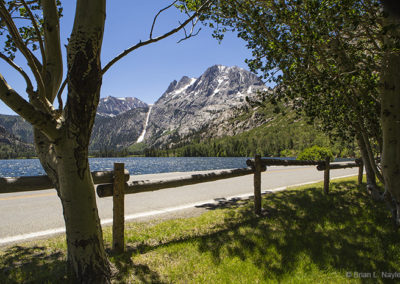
(305, 237)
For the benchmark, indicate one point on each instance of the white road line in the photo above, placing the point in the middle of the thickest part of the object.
(49, 232)
(24, 237)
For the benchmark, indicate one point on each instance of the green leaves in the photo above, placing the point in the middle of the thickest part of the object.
(315, 153)
(327, 52)
(23, 12)
(19, 16)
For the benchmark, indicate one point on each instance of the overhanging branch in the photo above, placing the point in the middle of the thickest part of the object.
(191, 33)
(158, 14)
(153, 40)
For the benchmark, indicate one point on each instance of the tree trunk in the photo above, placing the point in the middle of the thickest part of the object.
(390, 116)
(47, 156)
(69, 170)
(86, 255)
(371, 178)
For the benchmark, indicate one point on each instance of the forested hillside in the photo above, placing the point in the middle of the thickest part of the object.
(12, 147)
(17, 126)
(281, 134)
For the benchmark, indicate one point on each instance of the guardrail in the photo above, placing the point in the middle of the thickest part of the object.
(325, 166)
(115, 183)
(118, 190)
(33, 183)
(116, 178)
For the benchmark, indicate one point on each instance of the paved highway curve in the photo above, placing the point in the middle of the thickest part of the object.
(31, 214)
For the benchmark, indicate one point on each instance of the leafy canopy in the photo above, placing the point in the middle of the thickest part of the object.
(323, 55)
(27, 16)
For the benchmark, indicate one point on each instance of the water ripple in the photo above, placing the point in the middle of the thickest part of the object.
(136, 165)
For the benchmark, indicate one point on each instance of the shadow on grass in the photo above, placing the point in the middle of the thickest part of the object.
(37, 265)
(303, 230)
(344, 231)
(223, 203)
(128, 269)
(32, 265)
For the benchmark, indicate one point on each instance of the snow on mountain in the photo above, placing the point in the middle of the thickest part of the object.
(111, 106)
(188, 106)
(192, 104)
(205, 105)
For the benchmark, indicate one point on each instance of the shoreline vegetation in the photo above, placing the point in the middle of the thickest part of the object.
(304, 236)
(284, 137)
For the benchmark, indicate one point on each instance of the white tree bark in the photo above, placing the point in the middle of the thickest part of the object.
(371, 178)
(86, 254)
(390, 113)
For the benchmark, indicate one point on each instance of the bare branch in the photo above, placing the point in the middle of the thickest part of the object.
(42, 121)
(191, 33)
(29, 86)
(39, 37)
(153, 40)
(155, 18)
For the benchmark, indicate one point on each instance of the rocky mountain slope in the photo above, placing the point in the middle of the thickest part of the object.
(17, 126)
(120, 131)
(190, 106)
(111, 106)
(12, 146)
(203, 107)
(195, 105)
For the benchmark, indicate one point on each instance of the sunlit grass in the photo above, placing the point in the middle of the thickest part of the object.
(304, 237)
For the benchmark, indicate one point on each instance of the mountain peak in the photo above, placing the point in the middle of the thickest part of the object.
(215, 69)
(112, 106)
(218, 69)
(171, 86)
(192, 104)
(185, 80)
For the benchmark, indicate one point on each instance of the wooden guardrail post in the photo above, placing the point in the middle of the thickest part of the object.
(257, 185)
(326, 175)
(118, 244)
(360, 170)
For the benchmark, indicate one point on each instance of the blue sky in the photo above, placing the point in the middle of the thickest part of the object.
(147, 72)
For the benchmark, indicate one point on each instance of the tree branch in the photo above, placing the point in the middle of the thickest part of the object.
(190, 34)
(29, 86)
(54, 67)
(42, 121)
(155, 18)
(39, 37)
(32, 60)
(59, 94)
(153, 40)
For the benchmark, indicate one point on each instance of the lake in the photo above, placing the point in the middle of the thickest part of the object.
(135, 165)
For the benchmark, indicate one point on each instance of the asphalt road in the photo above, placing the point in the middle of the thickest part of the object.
(27, 215)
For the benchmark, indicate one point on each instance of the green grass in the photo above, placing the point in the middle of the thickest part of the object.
(305, 237)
